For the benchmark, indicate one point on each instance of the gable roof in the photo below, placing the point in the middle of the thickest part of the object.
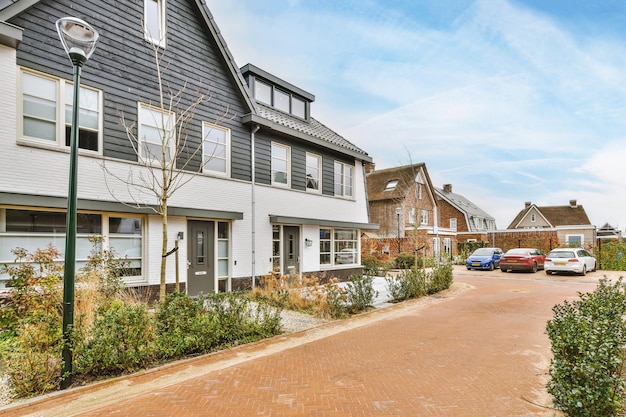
(405, 175)
(465, 206)
(570, 215)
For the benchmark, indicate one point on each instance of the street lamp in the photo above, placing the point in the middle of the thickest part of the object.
(398, 211)
(79, 41)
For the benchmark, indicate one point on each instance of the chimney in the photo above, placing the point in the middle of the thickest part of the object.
(572, 203)
(447, 188)
(527, 204)
(370, 168)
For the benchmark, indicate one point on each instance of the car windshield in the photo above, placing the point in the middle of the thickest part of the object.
(562, 254)
(483, 252)
(517, 252)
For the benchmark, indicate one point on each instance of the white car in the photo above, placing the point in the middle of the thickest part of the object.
(575, 260)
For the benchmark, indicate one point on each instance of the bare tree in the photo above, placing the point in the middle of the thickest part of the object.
(164, 165)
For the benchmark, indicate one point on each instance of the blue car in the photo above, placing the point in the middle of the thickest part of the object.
(484, 258)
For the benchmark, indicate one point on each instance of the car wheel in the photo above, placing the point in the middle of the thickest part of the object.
(548, 272)
(503, 269)
(584, 270)
(492, 266)
(469, 269)
(595, 266)
(534, 267)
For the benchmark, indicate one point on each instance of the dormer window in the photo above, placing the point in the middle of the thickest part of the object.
(391, 185)
(279, 99)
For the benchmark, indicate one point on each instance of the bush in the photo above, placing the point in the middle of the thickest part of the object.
(440, 278)
(374, 267)
(408, 284)
(588, 338)
(360, 293)
(121, 340)
(405, 261)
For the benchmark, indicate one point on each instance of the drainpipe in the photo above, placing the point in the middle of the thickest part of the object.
(254, 129)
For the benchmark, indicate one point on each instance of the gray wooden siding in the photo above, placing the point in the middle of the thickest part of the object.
(123, 67)
(263, 157)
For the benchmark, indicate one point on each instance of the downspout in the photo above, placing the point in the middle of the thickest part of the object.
(254, 129)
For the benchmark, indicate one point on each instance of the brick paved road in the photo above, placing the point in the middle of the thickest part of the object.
(480, 350)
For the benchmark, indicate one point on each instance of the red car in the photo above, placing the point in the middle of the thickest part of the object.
(522, 259)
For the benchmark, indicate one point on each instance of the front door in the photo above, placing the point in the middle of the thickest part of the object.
(201, 261)
(291, 250)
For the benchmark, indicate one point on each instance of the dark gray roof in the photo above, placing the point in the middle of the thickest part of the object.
(313, 128)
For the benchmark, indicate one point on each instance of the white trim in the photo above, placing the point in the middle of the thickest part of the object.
(227, 151)
(287, 162)
(160, 39)
(319, 173)
(167, 132)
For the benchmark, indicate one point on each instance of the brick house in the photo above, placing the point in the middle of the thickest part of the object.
(402, 202)
(551, 226)
(275, 189)
(461, 220)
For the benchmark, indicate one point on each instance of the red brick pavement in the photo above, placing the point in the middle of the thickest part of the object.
(480, 350)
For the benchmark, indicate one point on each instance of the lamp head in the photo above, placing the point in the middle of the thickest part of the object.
(78, 38)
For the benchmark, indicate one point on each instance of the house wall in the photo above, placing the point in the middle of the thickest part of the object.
(123, 68)
(528, 223)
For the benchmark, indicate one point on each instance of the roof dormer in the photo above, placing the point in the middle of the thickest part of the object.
(271, 91)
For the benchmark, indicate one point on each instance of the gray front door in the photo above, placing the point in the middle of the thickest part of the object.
(291, 250)
(201, 258)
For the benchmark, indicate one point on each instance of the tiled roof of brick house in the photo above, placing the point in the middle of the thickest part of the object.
(569, 215)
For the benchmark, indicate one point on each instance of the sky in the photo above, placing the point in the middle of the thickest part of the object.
(507, 100)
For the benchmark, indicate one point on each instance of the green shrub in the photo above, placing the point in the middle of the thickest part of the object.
(405, 261)
(374, 267)
(121, 340)
(407, 284)
(588, 338)
(335, 298)
(440, 278)
(360, 293)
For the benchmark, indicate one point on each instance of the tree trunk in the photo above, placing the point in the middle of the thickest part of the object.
(163, 249)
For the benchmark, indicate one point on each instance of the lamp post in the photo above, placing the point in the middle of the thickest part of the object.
(398, 211)
(79, 41)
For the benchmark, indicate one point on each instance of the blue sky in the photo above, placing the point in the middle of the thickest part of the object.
(507, 100)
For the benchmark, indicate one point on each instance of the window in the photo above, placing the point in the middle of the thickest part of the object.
(574, 240)
(35, 228)
(215, 149)
(298, 107)
(222, 251)
(424, 216)
(263, 92)
(533, 217)
(453, 223)
(447, 246)
(391, 185)
(156, 136)
(280, 164)
(412, 215)
(313, 171)
(343, 179)
(276, 248)
(418, 190)
(154, 21)
(339, 247)
(43, 121)
(279, 99)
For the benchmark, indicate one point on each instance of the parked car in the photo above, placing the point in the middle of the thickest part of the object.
(522, 259)
(573, 260)
(484, 258)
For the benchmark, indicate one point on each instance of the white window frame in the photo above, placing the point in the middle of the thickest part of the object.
(155, 122)
(57, 238)
(418, 190)
(575, 235)
(287, 162)
(412, 215)
(160, 38)
(209, 146)
(424, 217)
(318, 168)
(344, 181)
(336, 243)
(391, 185)
(60, 121)
(453, 223)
